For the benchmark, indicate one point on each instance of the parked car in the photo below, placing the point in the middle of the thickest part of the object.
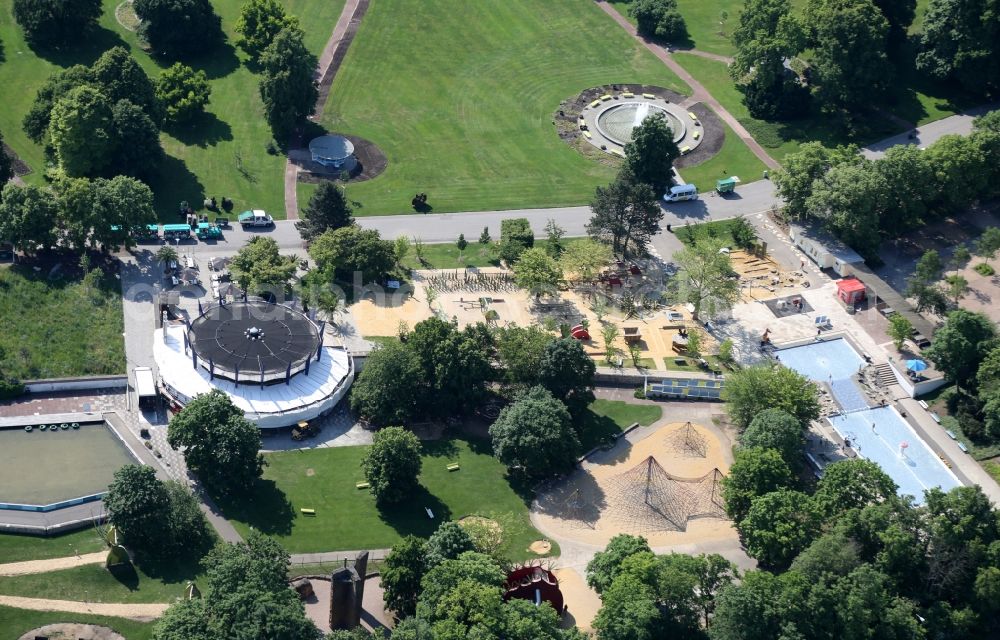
(255, 218)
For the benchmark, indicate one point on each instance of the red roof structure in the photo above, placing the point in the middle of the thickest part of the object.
(536, 584)
(851, 291)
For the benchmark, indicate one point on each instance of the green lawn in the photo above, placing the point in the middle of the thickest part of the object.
(95, 583)
(734, 159)
(347, 518)
(15, 622)
(445, 255)
(59, 327)
(202, 159)
(464, 97)
(15, 548)
(690, 234)
(606, 418)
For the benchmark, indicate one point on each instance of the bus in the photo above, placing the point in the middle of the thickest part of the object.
(176, 232)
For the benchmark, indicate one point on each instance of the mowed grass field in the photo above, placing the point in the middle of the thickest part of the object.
(347, 518)
(203, 159)
(17, 548)
(460, 97)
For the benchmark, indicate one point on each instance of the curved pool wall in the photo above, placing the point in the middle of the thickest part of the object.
(617, 121)
(915, 470)
(834, 362)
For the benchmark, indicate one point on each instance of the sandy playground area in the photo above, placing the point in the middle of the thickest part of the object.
(665, 487)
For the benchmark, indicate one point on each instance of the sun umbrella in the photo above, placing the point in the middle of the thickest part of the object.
(916, 365)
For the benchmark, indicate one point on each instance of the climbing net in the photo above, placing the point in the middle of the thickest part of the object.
(647, 498)
(688, 441)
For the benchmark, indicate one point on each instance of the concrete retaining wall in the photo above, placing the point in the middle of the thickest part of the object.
(76, 384)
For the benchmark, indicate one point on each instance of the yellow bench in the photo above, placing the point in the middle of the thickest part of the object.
(685, 150)
(628, 94)
(693, 117)
(308, 512)
(588, 134)
(697, 134)
(362, 485)
(618, 152)
(595, 103)
(605, 97)
(649, 96)
(453, 467)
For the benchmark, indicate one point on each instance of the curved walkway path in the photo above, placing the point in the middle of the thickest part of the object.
(705, 54)
(699, 92)
(329, 63)
(140, 612)
(52, 564)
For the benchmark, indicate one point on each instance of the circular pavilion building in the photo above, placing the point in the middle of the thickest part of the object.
(333, 152)
(268, 358)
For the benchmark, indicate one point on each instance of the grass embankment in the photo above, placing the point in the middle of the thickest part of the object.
(95, 583)
(15, 622)
(61, 326)
(18, 548)
(465, 95)
(222, 154)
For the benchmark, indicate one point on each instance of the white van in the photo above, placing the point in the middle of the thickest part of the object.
(681, 192)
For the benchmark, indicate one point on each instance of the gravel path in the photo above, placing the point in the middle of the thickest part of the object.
(54, 564)
(140, 612)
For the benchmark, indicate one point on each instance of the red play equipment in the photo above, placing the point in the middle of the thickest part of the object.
(579, 332)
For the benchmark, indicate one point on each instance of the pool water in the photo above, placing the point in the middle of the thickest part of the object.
(831, 361)
(44, 467)
(916, 470)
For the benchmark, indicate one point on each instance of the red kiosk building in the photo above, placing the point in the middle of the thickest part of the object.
(851, 291)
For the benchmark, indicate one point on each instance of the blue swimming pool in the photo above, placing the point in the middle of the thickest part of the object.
(915, 470)
(831, 361)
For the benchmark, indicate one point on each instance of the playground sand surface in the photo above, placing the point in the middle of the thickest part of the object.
(767, 278)
(582, 602)
(595, 523)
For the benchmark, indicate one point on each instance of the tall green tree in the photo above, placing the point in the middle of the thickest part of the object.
(659, 19)
(899, 14)
(706, 278)
(388, 389)
(853, 484)
(36, 122)
(220, 444)
(768, 33)
(392, 464)
(534, 435)
(912, 185)
(961, 344)
(179, 28)
(6, 165)
(401, 574)
(959, 41)
(353, 253)
(801, 169)
(521, 350)
(779, 525)
(516, 237)
(259, 23)
(605, 566)
(259, 267)
(81, 131)
(538, 272)
(850, 199)
(779, 430)
(120, 77)
(287, 87)
(328, 209)
(567, 372)
(183, 92)
(139, 506)
(136, 150)
(584, 259)
(755, 472)
(627, 214)
(651, 152)
(850, 65)
(28, 217)
(122, 202)
(56, 23)
(447, 543)
(751, 390)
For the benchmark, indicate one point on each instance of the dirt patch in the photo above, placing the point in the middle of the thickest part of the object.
(541, 547)
(489, 523)
(371, 163)
(713, 140)
(310, 472)
(19, 166)
(72, 631)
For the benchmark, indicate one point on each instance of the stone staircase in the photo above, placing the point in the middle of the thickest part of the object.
(884, 375)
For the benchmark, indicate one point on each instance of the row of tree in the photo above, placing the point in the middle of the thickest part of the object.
(864, 200)
(75, 213)
(854, 48)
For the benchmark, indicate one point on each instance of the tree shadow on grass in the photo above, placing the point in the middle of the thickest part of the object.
(265, 508)
(171, 184)
(175, 568)
(217, 62)
(595, 430)
(207, 130)
(441, 448)
(410, 518)
(84, 50)
(126, 575)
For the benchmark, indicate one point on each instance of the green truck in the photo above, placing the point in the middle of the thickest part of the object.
(208, 231)
(727, 185)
